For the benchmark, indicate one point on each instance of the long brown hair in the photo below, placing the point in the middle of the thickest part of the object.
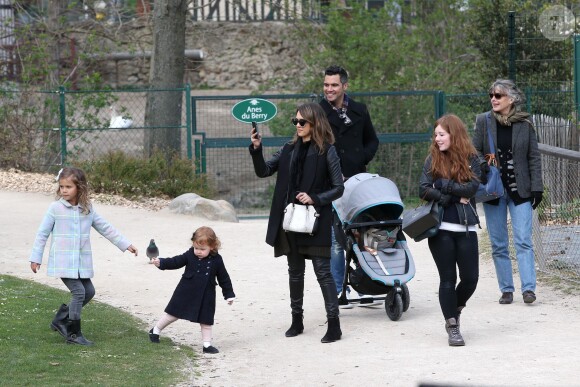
(79, 178)
(454, 163)
(206, 236)
(321, 132)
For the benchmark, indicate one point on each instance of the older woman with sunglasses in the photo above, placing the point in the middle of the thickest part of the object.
(519, 162)
(308, 172)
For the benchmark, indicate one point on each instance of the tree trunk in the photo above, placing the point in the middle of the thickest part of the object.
(54, 25)
(163, 108)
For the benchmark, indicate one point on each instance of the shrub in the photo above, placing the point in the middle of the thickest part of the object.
(157, 176)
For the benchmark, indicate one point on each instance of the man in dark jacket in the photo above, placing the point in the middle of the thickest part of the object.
(356, 145)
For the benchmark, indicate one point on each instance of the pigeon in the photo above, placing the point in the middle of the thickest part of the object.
(152, 250)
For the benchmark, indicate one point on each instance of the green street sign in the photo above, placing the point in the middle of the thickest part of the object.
(254, 109)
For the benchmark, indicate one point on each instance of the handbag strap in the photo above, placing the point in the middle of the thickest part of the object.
(491, 156)
(293, 152)
(489, 136)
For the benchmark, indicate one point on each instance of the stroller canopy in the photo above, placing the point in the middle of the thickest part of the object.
(371, 195)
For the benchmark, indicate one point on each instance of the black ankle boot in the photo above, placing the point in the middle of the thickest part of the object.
(75, 336)
(297, 326)
(333, 332)
(455, 338)
(59, 322)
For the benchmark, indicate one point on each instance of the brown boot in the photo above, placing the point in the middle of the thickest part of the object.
(455, 338)
(506, 298)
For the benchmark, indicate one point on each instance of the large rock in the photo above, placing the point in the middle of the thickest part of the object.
(193, 204)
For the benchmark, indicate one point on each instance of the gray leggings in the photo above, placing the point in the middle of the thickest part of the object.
(82, 291)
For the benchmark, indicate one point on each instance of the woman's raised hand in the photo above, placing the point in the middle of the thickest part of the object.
(256, 139)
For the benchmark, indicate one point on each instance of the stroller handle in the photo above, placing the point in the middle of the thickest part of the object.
(396, 222)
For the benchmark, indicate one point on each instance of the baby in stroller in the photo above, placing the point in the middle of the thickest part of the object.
(369, 229)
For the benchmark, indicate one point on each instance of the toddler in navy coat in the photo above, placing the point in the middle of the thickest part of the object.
(194, 298)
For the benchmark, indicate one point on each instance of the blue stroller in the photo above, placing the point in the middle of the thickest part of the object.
(368, 226)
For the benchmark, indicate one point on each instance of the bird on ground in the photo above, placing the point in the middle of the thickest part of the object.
(152, 250)
(119, 122)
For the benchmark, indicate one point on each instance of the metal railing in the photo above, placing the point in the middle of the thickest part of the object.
(402, 120)
(557, 221)
(44, 129)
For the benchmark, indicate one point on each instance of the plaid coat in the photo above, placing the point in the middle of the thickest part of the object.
(70, 253)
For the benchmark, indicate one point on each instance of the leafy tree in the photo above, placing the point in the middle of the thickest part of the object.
(426, 51)
(538, 63)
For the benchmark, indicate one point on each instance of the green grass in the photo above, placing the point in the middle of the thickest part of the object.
(33, 355)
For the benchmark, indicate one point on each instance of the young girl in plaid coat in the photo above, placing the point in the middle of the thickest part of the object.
(69, 220)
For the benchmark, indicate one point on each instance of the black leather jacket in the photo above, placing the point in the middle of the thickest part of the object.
(451, 192)
(322, 180)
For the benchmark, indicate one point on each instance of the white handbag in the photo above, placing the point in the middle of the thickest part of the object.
(300, 218)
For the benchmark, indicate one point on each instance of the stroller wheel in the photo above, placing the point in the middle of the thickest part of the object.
(406, 296)
(394, 305)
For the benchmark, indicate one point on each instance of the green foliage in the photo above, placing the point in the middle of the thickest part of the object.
(33, 355)
(156, 176)
(539, 63)
(488, 31)
(426, 51)
(569, 212)
(281, 125)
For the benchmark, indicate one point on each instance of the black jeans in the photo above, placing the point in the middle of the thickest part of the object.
(296, 270)
(451, 249)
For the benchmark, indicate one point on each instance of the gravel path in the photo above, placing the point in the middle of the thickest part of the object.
(507, 345)
(18, 181)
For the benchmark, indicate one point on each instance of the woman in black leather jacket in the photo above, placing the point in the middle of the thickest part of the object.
(308, 172)
(451, 177)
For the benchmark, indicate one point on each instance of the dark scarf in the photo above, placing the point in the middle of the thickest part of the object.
(512, 116)
(343, 108)
(297, 169)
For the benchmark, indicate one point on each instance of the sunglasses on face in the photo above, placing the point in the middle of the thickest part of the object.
(300, 122)
(496, 95)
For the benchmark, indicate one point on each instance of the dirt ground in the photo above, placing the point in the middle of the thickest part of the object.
(506, 345)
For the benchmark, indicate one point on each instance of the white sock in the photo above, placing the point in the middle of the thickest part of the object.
(156, 330)
(206, 344)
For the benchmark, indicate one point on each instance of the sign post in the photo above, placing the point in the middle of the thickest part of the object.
(254, 109)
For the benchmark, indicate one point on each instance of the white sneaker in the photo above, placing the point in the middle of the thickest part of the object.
(347, 305)
(366, 301)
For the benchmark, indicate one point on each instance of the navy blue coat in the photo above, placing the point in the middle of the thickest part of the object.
(194, 297)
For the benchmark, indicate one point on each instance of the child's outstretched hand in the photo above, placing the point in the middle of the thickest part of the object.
(133, 250)
(230, 301)
(35, 266)
(155, 261)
